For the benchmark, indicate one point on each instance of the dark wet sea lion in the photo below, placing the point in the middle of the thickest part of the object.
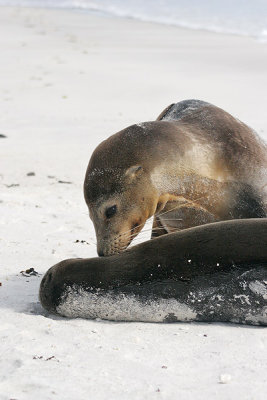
(196, 164)
(213, 272)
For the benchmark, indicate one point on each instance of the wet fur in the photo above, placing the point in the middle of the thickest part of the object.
(210, 270)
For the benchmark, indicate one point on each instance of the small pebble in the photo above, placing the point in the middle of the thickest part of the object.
(64, 182)
(12, 185)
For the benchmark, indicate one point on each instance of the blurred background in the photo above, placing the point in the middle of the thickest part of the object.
(244, 17)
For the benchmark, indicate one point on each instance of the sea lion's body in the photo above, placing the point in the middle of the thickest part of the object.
(196, 164)
(213, 272)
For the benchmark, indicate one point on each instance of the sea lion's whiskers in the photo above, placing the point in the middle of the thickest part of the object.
(173, 219)
(149, 230)
(131, 230)
(171, 210)
(136, 238)
(162, 213)
(121, 235)
(177, 207)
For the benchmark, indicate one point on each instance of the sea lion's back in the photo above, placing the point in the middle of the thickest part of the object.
(177, 111)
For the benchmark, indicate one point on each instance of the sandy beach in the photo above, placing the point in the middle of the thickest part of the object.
(68, 80)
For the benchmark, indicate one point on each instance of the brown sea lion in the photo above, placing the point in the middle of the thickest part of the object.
(194, 165)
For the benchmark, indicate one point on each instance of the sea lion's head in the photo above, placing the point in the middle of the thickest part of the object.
(119, 188)
(120, 200)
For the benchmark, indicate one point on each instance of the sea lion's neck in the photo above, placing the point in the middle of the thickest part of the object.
(179, 180)
(187, 186)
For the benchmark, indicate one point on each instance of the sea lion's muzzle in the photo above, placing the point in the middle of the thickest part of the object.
(117, 243)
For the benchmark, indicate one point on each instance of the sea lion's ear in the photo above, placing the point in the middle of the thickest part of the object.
(133, 172)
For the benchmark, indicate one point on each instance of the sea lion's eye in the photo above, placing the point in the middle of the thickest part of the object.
(111, 211)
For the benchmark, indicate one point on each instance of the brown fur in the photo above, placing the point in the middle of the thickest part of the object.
(197, 167)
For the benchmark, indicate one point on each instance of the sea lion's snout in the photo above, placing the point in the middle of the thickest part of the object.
(117, 225)
(114, 242)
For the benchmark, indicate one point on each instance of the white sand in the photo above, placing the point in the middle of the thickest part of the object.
(67, 81)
